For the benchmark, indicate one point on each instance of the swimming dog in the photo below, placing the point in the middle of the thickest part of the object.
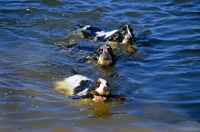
(81, 87)
(104, 55)
(124, 34)
(84, 87)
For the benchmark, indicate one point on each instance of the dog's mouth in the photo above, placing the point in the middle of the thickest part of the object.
(99, 99)
(105, 60)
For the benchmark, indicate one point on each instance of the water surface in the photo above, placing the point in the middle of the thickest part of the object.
(162, 87)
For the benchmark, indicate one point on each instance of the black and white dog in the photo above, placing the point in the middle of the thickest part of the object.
(80, 86)
(104, 55)
(84, 87)
(124, 34)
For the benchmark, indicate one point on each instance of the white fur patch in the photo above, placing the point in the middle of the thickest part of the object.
(68, 85)
(100, 33)
(106, 34)
(100, 89)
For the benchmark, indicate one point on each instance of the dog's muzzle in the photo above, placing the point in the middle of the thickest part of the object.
(105, 58)
(106, 90)
(127, 39)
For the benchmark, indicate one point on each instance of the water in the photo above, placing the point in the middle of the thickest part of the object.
(162, 88)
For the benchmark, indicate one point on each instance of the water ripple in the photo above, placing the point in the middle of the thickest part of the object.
(160, 81)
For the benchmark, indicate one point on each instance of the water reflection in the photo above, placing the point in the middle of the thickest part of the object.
(101, 110)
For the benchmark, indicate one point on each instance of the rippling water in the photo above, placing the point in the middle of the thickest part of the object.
(162, 89)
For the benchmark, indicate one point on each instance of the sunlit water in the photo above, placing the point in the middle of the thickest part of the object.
(162, 86)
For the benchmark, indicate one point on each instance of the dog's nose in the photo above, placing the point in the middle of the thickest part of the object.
(106, 57)
(106, 89)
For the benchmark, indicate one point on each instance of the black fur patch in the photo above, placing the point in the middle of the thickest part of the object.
(90, 31)
(120, 34)
(93, 87)
(83, 85)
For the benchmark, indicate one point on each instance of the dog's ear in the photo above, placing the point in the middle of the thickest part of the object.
(131, 30)
(91, 90)
(110, 50)
(123, 28)
(93, 86)
(97, 53)
(93, 56)
(97, 83)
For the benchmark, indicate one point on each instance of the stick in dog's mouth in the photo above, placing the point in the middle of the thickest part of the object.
(105, 98)
(99, 99)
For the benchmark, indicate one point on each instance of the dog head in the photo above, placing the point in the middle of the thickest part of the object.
(99, 87)
(127, 33)
(104, 55)
(98, 90)
(124, 35)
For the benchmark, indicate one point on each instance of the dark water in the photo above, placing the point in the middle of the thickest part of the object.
(163, 88)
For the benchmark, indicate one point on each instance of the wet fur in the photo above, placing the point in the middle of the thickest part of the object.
(104, 58)
(78, 85)
(118, 35)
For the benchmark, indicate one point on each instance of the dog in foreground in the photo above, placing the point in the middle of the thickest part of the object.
(81, 86)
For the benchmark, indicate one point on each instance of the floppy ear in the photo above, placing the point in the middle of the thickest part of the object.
(95, 55)
(99, 51)
(131, 30)
(110, 50)
(90, 91)
(121, 28)
(93, 86)
(91, 56)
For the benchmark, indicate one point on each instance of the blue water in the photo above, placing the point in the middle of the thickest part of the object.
(160, 82)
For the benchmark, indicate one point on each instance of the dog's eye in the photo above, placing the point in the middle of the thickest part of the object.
(97, 84)
(107, 84)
